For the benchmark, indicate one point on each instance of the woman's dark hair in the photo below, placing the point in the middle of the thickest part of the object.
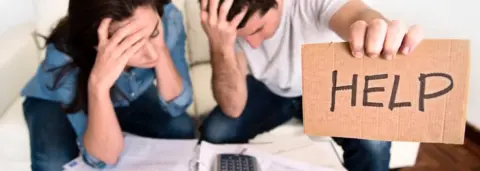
(76, 35)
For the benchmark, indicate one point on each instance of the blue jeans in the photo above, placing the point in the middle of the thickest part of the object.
(265, 110)
(53, 140)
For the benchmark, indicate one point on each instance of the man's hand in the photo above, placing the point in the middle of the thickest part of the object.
(379, 37)
(371, 34)
(221, 33)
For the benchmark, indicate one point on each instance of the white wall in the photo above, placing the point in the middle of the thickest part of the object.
(14, 12)
(444, 19)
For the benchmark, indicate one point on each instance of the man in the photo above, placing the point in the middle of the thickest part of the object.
(255, 55)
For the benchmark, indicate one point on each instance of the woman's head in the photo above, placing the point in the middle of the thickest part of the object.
(85, 16)
(76, 34)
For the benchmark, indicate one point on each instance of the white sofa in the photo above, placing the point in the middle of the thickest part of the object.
(19, 58)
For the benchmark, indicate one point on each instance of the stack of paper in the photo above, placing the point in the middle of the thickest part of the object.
(147, 154)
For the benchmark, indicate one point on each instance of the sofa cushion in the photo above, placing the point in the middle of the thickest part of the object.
(15, 148)
(197, 39)
(48, 13)
(201, 75)
(18, 62)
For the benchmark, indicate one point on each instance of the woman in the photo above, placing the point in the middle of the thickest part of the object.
(97, 80)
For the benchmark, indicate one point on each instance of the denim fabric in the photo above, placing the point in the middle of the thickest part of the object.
(265, 110)
(53, 140)
(132, 84)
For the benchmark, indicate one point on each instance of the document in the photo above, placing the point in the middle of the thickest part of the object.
(148, 154)
(266, 161)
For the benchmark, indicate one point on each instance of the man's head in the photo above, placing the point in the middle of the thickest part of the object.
(261, 20)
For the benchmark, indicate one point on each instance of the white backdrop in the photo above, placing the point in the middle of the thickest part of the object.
(444, 19)
(14, 12)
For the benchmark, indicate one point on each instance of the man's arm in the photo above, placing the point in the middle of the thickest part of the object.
(229, 81)
(351, 12)
(371, 34)
(228, 75)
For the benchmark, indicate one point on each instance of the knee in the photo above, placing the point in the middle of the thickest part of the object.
(182, 127)
(377, 150)
(218, 128)
(43, 162)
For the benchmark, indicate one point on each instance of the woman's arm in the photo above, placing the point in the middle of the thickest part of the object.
(172, 72)
(169, 82)
(103, 137)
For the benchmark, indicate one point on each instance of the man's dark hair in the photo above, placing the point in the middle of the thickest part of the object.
(262, 6)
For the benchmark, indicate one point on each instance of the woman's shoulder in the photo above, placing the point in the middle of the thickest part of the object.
(55, 78)
(55, 58)
(172, 13)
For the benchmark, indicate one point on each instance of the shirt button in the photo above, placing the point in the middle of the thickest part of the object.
(132, 94)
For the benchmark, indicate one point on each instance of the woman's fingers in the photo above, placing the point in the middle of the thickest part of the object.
(102, 31)
(132, 51)
(127, 43)
(125, 31)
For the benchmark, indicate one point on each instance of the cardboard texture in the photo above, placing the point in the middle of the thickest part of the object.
(421, 97)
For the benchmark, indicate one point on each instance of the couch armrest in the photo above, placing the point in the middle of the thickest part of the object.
(19, 58)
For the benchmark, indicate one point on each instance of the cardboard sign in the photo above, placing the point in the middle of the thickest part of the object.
(421, 97)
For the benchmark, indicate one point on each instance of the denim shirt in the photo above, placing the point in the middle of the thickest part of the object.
(132, 83)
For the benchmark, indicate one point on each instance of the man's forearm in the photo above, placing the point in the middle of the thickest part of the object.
(229, 83)
(353, 11)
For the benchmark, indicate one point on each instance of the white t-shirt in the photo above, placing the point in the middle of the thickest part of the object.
(277, 61)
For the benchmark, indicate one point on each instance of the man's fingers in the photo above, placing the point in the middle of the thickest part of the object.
(357, 38)
(224, 9)
(204, 17)
(204, 11)
(396, 32)
(238, 18)
(213, 12)
(103, 31)
(412, 39)
(376, 32)
(203, 5)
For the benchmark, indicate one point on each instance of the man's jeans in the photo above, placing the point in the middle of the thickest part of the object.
(53, 140)
(265, 110)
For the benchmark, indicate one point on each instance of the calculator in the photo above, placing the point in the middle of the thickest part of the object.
(236, 162)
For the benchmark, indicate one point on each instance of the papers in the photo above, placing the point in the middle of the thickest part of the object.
(148, 155)
(267, 162)
(185, 155)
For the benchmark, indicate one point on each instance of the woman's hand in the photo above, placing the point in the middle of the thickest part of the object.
(114, 53)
